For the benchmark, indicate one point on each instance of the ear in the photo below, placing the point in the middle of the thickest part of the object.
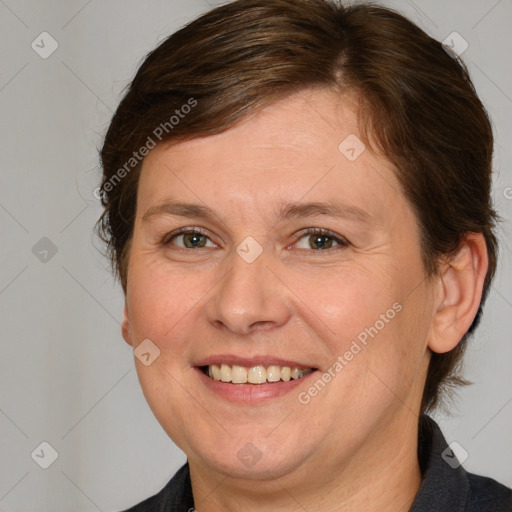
(125, 327)
(461, 283)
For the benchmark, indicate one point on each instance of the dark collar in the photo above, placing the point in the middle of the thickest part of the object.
(446, 485)
(443, 487)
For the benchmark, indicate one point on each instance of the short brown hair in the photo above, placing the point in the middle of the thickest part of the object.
(418, 107)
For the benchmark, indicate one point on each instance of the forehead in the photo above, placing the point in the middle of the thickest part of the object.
(305, 146)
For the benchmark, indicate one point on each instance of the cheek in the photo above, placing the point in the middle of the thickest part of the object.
(377, 326)
(350, 300)
(396, 358)
(160, 297)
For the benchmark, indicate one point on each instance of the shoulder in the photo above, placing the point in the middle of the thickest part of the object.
(176, 496)
(487, 495)
(446, 485)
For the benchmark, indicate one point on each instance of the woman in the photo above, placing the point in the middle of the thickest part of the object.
(297, 204)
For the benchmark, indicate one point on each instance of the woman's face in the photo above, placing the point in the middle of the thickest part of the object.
(259, 288)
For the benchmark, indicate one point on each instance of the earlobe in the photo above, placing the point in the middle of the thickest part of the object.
(461, 284)
(125, 327)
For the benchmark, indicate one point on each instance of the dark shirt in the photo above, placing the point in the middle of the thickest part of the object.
(446, 486)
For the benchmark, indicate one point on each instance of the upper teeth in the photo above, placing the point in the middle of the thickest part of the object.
(255, 374)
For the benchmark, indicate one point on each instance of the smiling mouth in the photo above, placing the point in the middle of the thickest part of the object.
(236, 374)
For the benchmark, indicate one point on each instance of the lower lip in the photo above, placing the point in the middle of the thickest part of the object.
(251, 394)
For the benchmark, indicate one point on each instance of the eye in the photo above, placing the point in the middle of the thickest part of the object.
(190, 239)
(320, 239)
(317, 239)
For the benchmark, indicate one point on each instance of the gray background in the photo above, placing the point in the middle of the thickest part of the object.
(67, 376)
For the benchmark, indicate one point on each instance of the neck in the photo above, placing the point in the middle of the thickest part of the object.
(383, 475)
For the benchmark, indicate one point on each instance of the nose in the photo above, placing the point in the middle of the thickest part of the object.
(249, 298)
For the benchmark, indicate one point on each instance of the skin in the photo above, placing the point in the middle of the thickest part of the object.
(293, 302)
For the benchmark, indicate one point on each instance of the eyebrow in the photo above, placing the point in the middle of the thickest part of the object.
(292, 210)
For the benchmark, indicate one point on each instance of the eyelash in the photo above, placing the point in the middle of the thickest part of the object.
(341, 241)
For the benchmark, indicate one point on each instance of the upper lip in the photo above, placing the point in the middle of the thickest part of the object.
(249, 362)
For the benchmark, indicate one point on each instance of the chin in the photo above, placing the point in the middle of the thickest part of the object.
(258, 459)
